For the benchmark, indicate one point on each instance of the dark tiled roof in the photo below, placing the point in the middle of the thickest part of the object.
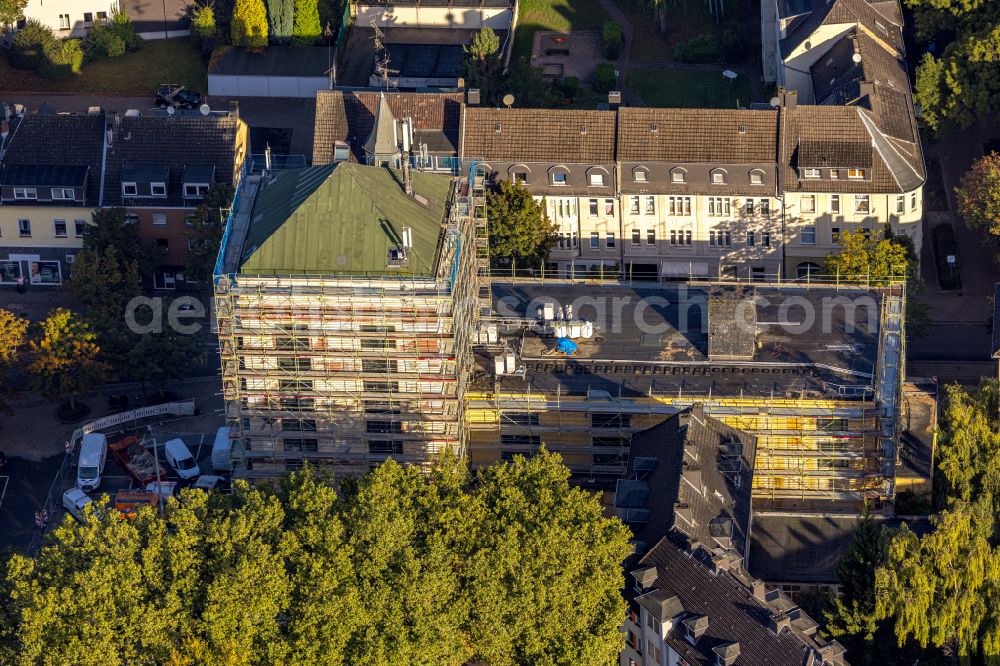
(882, 19)
(697, 135)
(835, 153)
(349, 117)
(44, 174)
(60, 140)
(701, 482)
(734, 615)
(145, 173)
(199, 174)
(171, 144)
(539, 135)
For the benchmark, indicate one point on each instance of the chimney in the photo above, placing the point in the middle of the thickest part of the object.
(614, 99)
(759, 590)
(790, 99)
(778, 622)
(472, 97)
(234, 108)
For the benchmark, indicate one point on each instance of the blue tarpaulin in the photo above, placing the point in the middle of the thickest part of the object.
(566, 346)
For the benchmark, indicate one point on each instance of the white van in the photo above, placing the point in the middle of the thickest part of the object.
(179, 457)
(93, 454)
(222, 450)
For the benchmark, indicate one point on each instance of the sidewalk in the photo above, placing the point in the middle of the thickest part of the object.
(36, 303)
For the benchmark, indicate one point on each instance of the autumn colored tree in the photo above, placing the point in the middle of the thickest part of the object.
(519, 229)
(979, 199)
(13, 333)
(248, 27)
(66, 358)
(307, 29)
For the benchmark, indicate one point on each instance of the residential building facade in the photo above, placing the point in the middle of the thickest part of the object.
(159, 168)
(74, 18)
(50, 185)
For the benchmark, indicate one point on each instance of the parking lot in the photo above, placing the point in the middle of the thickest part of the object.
(27, 486)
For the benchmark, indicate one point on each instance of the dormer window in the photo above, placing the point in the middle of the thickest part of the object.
(195, 190)
(856, 173)
(341, 152)
(129, 190)
(678, 176)
(520, 177)
(63, 193)
(640, 175)
(25, 193)
(595, 177)
(559, 178)
(718, 177)
(811, 173)
(158, 189)
(756, 177)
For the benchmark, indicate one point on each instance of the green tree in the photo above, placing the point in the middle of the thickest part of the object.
(519, 230)
(205, 228)
(979, 199)
(66, 358)
(523, 546)
(203, 22)
(281, 15)
(852, 615)
(11, 11)
(968, 455)
(159, 358)
(104, 281)
(481, 66)
(307, 29)
(249, 24)
(943, 589)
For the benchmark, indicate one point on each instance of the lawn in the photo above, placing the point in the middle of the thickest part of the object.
(559, 15)
(688, 88)
(685, 19)
(139, 73)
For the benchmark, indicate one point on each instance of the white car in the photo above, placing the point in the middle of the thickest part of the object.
(74, 500)
(167, 488)
(179, 457)
(207, 482)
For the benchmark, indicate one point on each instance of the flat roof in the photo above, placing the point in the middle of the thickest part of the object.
(657, 338)
(273, 61)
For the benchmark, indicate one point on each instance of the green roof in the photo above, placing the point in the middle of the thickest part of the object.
(343, 218)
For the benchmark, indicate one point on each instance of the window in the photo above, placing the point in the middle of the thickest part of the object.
(378, 365)
(302, 445)
(610, 420)
(384, 427)
(380, 387)
(522, 418)
(162, 244)
(720, 238)
(63, 193)
(835, 204)
(764, 206)
(913, 202)
(597, 180)
(295, 363)
(856, 173)
(751, 239)
(650, 237)
(757, 273)
(521, 177)
(719, 177)
(719, 206)
(24, 228)
(861, 203)
(679, 205)
(678, 176)
(558, 177)
(159, 219)
(639, 175)
(807, 203)
(835, 234)
(391, 447)
(78, 227)
(195, 190)
(102, 17)
(60, 228)
(298, 425)
(129, 190)
(811, 173)
(609, 207)
(158, 189)
(64, 21)
(633, 205)
(808, 236)
(593, 207)
(901, 204)
(609, 240)
(25, 193)
(748, 208)
(756, 177)
(88, 18)
(131, 218)
(521, 440)
(636, 237)
(595, 240)
(650, 205)
(831, 424)
(765, 239)
(673, 237)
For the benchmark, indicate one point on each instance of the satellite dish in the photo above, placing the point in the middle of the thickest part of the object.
(856, 58)
(171, 110)
(729, 74)
(205, 109)
(508, 100)
(775, 102)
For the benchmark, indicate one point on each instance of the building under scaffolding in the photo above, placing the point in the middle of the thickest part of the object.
(345, 307)
(812, 371)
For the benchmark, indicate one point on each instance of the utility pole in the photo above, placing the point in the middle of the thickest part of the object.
(156, 457)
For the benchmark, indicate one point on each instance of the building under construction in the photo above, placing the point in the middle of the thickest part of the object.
(346, 297)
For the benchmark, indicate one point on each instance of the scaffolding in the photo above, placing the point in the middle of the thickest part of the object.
(347, 370)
